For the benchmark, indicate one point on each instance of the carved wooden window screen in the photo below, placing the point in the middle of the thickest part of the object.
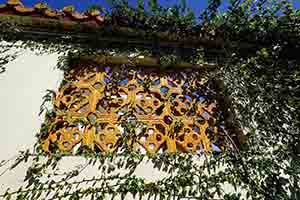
(107, 108)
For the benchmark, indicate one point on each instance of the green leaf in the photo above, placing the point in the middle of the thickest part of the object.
(153, 5)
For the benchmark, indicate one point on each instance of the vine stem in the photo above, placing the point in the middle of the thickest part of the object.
(65, 183)
(7, 161)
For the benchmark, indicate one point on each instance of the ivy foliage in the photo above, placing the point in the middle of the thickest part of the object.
(260, 69)
(176, 18)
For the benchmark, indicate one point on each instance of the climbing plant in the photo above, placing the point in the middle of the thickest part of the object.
(259, 69)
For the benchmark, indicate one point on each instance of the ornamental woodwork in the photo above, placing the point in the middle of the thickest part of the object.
(109, 108)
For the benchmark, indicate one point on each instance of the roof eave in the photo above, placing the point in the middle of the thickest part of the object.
(40, 27)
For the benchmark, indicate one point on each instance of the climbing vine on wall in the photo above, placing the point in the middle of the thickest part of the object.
(259, 67)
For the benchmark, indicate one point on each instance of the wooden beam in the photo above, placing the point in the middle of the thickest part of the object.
(144, 62)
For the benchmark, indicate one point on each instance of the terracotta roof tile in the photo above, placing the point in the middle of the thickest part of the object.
(68, 9)
(53, 13)
(23, 9)
(79, 16)
(99, 19)
(46, 20)
(14, 2)
(41, 9)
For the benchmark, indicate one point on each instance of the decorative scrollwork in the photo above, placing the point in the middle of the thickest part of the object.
(157, 111)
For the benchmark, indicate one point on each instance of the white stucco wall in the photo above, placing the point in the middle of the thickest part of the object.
(22, 88)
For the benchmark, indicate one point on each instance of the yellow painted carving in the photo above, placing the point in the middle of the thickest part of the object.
(98, 107)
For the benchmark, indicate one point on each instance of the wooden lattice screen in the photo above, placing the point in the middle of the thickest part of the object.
(106, 108)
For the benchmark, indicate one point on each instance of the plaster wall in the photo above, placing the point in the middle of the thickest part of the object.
(22, 88)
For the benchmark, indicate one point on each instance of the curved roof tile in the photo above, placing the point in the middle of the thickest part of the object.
(22, 9)
(41, 9)
(47, 21)
(14, 2)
